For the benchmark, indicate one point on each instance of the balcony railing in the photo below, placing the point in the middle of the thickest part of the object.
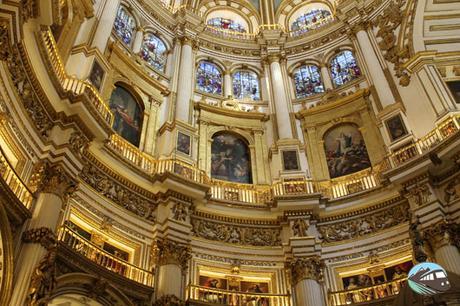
(14, 182)
(443, 131)
(94, 253)
(366, 294)
(229, 34)
(235, 298)
(68, 84)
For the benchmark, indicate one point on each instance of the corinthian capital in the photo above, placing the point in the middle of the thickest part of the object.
(54, 179)
(443, 233)
(306, 268)
(166, 252)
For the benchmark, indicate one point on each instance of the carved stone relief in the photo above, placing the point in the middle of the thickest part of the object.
(365, 224)
(170, 252)
(306, 268)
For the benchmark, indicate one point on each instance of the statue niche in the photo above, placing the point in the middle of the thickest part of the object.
(345, 150)
(230, 158)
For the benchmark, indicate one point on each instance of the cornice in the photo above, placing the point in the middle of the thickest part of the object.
(231, 113)
(235, 220)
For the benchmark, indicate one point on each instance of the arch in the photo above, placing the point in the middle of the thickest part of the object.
(226, 19)
(125, 25)
(128, 114)
(307, 81)
(154, 51)
(344, 68)
(81, 284)
(289, 9)
(230, 157)
(6, 257)
(309, 16)
(244, 8)
(246, 84)
(209, 77)
(345, 150)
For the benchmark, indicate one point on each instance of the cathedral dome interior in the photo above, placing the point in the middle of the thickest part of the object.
(238, 152)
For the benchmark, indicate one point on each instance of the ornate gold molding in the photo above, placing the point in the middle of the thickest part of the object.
(306, 268)
(54, 179)
(166, 252)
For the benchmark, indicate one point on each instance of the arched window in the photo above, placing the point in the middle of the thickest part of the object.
(246, 85)
(312, 19)
(307, 80)
(344, 68)
(209, 78)
(128, 115)
(345, 150)
(226, 24)
(124, 25)
(153, 51)
(230, 158)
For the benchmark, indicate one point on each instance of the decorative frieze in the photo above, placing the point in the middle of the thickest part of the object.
(247, 262)
(117, 192)
(166, 252)
(241, 235)
(169, 300)
(363, 225)
(306, 268)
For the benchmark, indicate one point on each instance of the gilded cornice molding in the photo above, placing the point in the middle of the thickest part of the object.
(306, 268)
(165, 252)
(231, 113)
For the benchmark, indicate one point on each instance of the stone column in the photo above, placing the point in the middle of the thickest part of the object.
(38, 254)
(306, 273)
(184, 92)
(374, 68)
(326, 77)
(171, 259)
(280, 99)
(228, 85)
(443, 238)
(151, 127)
(138, 39)
(267, 11)
(105, 25)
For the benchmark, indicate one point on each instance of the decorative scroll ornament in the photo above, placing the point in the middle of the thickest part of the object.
(306, 268)
(388, 23)
(169, 300)
(54, 179)
(364, 225)
(78, 142)
(116, 192)
(255, 236)
(169, 252)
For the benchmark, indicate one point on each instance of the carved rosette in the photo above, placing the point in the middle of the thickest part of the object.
(165, 252)
(54, 179)
(306, 268)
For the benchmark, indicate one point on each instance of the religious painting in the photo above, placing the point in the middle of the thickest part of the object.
(96, 76)
(230, 158)
(183, 143)
(290, 160)
(213, 282)
(345, 150)
(454, 87)
(356, 282)
(396, 127)
(254, 287)
(398, 271)
(127, 115)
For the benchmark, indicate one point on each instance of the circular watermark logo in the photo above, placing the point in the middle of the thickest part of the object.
(428, 278)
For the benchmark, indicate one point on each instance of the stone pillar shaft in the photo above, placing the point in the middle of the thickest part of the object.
(151, 129)
(228, 88)
(184, 93)
(280, 100)
(325, 76)
(138, 39)
(105, 24)
(375, 69)
(448, 257)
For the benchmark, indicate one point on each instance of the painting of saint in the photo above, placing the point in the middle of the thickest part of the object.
(96, 76)
(290, 161)
(396, 127)
(398, 271)
(127, 115)
(345, 150)
(230, 159)
(183, 143)
(454, 87)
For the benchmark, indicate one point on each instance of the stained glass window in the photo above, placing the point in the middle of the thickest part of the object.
(209, 78)
(311, 20)
(154, 51)
(226, 24)
(124, 25)
(307, 80)
(344, 68)
(246, 85)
